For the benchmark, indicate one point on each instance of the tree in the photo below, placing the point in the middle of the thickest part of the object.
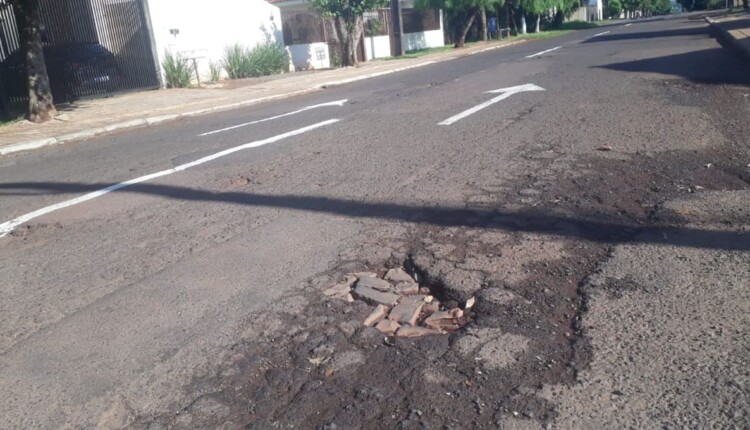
(563, 8)
(536, 8)
(41, 106)
(614, 9)
(461, 14)
(347, 15)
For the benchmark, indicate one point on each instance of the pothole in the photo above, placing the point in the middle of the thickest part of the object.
(401, 305)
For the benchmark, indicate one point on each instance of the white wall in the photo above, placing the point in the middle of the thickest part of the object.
(377, 47)
(305, 57)
(205, 28)
(423, 40)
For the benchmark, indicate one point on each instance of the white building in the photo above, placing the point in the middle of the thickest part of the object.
(201, 30)
(312, 42)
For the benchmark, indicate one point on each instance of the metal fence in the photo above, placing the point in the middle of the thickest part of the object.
(416, 21)
(91, 47)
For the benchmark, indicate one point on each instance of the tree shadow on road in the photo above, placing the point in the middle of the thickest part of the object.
(591, 228)
(693, 31)
(708, 66)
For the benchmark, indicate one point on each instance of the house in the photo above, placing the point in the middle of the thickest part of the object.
(201, 31)
(312, 42)
(99, 47)
(588, 10)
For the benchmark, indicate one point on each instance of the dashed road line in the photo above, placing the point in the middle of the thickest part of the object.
(338, 103)
(543, 52)
(7, 227)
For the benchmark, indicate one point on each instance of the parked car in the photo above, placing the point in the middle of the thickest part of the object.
(75, 70)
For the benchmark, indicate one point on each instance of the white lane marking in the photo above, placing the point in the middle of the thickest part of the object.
(543, 52)
(8, 226)
(505, 93)
(599, 34)
(338, 103)
(628, 24)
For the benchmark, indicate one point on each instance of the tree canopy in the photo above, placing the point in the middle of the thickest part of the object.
(347, 15)
(460, 13)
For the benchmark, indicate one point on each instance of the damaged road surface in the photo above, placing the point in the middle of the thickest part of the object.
(577, 257)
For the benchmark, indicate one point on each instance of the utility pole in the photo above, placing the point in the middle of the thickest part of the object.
(397, 27)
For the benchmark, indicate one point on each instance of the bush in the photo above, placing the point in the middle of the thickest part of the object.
(614, 9)
(268, 59)
(177, 71)
(214, 70)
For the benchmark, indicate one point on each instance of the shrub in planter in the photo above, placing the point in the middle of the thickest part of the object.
(267, 59)
(177, 71)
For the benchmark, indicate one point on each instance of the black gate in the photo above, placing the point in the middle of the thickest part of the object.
(91, 47)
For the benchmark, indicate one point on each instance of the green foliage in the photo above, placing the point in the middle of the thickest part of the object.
(235, 61)
(458, 6)
(177, 71)
(374, 27)
(579, 25)
(349, 10)
(268, 59)
(614, 9)
(241, 62)
(214, 70)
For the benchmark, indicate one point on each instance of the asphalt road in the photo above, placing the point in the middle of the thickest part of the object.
(137, 293)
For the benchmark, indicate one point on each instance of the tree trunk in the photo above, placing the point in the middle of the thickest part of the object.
(356, 35)
(344, 40)
(41, 106)
(461, 37)
(523, 22)
(559, 19)
(483, 16)
(512, 18)
(538, 19)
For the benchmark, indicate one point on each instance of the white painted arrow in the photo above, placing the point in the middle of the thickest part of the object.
(504, 94)
(338, 103)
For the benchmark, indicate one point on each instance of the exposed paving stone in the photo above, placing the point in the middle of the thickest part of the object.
(377, 314)
(398, 275)
(406, 312)
(431, 307)
(338, 290)
(445, 320)
(375, 283)
(407, 288)
(373, 296)
(387, 326)
(415, 331)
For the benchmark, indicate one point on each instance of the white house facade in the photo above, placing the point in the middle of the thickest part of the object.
(201, 30)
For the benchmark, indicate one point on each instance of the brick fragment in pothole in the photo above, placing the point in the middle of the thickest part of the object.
(376, 315)
(406, 312)
(431, 307)
(445, 320)
(407, 288)
(341, 289)
(398, 275)
(375, 297)
(376, 284)
(387, 326)
(415, 331)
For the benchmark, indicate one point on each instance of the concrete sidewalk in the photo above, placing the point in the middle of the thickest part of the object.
(733, 30)
(88, 118)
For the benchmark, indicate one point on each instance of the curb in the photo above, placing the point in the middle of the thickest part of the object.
(154, 120)
(726, 39)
